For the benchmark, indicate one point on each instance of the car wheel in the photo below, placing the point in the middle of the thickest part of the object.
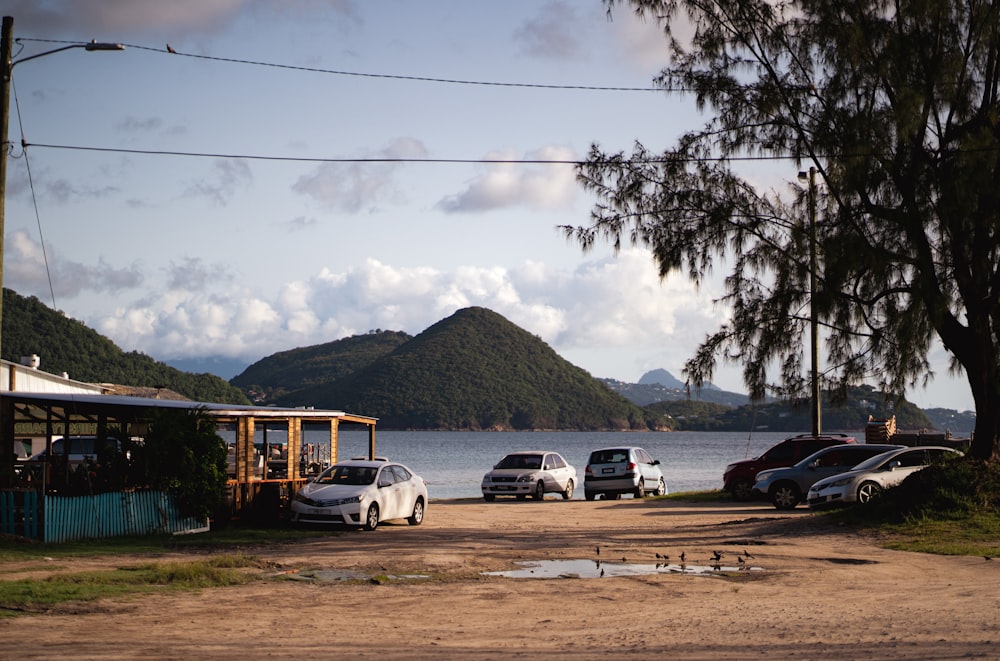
(371, 519)
(568, 493)
(539, 490)
(640, 489)
(868, 491)
(489, 498)
(589, 495)
(661, 488)
(741, 490)
(418, 513)
(785, 496)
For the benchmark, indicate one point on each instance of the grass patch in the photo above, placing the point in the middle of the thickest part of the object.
(233, 537)
(32, 595)
(949, 509)
(697, 496)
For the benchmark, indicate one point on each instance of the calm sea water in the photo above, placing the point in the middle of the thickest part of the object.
(453, 463)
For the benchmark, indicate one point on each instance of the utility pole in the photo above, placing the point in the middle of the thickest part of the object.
(817, 416)
(6, 51)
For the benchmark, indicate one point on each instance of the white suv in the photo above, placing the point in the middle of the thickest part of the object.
(613, 471)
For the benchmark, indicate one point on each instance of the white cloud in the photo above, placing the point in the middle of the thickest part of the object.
(353, 187)
(553, 32)
(502, 185)
(28, 268)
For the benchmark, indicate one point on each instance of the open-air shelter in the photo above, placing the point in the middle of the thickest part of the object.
(272, 450)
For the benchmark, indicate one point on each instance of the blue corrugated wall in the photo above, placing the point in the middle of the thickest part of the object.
(64, 518)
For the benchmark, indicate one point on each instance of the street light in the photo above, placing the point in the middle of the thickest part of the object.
(6, 69)
(817, 418)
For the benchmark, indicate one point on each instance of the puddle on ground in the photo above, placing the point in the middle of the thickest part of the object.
(339, 575)
(602, 569)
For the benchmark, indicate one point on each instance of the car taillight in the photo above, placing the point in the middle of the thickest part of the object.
(587, 470)
(631, 466)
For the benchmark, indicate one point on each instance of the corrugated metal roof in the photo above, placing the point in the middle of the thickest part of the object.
(97, 402)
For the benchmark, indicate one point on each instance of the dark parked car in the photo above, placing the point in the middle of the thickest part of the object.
(739, 477)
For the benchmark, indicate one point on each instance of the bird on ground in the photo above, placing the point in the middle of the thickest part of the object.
(987, 557)
(717, 555)
(747, 554)
(602, 572)
(170, 49)
(741, 561)
(624, 559)
(597, 550)
(683, 556)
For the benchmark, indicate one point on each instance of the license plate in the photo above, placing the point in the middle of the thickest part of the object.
(607, 470)
(316, 510)
(505, 488)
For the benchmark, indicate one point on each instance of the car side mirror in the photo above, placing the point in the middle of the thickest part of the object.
(813, 465)
(893, 465)
(656, 462)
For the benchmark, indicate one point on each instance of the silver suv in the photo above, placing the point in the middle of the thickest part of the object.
(787, 487)
(614, 471)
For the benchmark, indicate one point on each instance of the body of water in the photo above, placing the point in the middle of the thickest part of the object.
(453, 463)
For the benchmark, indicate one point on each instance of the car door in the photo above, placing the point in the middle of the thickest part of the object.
(650, 476)
(408, 490)
(902, 465)
(838, 460)
(559, 471)
(389, 494)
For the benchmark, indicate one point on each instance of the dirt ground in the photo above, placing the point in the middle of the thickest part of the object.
(804, 590)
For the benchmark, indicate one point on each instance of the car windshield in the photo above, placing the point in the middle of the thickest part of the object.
(354, 475)
(873, 462)
(530, 461)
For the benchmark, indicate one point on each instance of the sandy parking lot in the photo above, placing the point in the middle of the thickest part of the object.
(815, 592)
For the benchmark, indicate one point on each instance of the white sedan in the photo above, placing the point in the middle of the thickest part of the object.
(362, 493)
(530, 473)
(869, 478)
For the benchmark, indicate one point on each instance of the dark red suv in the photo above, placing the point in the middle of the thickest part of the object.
(739, 476)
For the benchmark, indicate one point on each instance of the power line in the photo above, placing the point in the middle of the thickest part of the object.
(359, 74)
(308, 159)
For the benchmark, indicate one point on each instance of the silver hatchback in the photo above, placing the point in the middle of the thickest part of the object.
(613, 471)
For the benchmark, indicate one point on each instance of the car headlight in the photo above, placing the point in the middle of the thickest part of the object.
(350, 499)
(530, 477)
(841, 483)
(301, 497)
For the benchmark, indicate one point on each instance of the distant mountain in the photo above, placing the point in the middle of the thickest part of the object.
(661, 386)
(660, 377)
(221, 366)
(273, 377)
(66, 345)
(475, 370)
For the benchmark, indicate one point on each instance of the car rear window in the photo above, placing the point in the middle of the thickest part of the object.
(609, 456)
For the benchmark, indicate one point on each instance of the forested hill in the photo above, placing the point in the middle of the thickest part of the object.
(474, 370)
(66, 345)
(288, 371)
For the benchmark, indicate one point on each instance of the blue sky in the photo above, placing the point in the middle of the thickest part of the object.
(190, 256)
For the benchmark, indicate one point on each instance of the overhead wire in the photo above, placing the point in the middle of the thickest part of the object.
(34, 197)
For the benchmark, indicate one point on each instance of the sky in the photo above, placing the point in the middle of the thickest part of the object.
(276, 221)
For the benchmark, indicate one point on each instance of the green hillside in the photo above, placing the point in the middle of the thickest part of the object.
(275, 376)
(66, 345)
(849, 413)
(475, 370)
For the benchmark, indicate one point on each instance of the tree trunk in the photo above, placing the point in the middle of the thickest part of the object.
(986, 393)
